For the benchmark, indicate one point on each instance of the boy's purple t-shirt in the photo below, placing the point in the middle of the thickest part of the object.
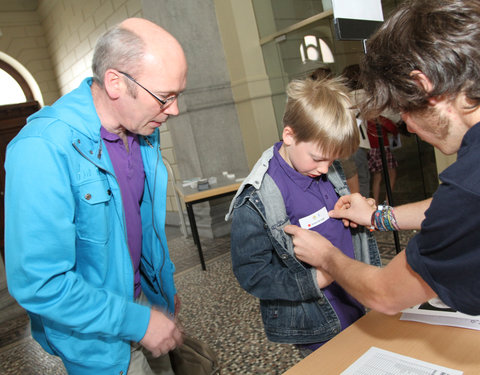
(128, 167)
(304, 196)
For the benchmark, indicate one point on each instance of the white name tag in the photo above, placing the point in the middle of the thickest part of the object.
(314, 219)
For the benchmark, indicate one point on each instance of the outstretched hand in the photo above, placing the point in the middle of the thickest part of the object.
(354, 210)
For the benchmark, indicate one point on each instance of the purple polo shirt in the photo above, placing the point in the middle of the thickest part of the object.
(304, 196)
(128, 167)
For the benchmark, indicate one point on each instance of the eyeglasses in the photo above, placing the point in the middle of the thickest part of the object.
(163, 102)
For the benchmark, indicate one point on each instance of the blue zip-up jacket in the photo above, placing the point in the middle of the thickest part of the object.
(294, 309)
(67, 257)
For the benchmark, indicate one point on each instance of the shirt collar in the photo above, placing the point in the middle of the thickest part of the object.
(112, 137)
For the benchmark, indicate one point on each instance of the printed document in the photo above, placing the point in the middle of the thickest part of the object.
(383, 362)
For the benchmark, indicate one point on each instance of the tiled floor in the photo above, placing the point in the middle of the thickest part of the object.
(214, 308)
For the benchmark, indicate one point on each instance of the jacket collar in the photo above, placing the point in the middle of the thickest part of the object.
(76, 106)
(255, 178)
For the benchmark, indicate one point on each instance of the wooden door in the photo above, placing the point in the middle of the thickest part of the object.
(12, 118)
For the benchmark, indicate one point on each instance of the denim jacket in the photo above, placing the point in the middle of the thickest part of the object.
(294, 309)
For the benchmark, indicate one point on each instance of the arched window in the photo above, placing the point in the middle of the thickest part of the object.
(15, 88)
(315, 49)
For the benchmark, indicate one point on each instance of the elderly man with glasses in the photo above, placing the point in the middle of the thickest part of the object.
(86, 251)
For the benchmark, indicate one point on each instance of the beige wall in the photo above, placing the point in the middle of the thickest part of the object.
(23, 40)
(71, 29)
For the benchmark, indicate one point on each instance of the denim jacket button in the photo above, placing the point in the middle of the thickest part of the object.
(284, 256)
(265, 226)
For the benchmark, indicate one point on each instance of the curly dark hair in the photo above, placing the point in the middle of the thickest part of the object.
(440, 38)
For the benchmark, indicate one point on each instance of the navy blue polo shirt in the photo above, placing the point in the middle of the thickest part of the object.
(446, 252)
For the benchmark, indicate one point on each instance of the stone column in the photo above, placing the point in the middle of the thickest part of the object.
(206, 135)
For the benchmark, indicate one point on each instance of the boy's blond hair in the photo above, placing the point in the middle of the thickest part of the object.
(320, 111)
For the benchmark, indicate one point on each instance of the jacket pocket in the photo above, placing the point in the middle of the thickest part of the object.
(92, 217)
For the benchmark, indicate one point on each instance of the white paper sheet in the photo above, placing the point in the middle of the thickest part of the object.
(437, 313)
(377, 361)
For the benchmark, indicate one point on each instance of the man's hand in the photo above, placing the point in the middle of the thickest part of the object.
(354, 210)
(162, 334)
(309, 246)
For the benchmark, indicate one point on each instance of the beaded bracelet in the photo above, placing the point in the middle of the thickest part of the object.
(383, 219)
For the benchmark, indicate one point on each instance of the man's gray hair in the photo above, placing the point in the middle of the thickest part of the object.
(120, 49)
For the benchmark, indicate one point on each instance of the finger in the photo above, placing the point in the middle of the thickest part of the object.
(299, 256)
(291, 229)
(178, 337)
(371, 202)
(336, 214)
(341, 203)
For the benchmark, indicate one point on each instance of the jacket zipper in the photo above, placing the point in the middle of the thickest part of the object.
(124, 218)
(153, 224)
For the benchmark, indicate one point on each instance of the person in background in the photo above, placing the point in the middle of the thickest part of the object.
(321, 73)
(375, 156)
(86, 251)
(298, 181)
(424, 63)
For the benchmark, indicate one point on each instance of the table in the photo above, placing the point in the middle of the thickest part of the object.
(190, 196)
(456, 348)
